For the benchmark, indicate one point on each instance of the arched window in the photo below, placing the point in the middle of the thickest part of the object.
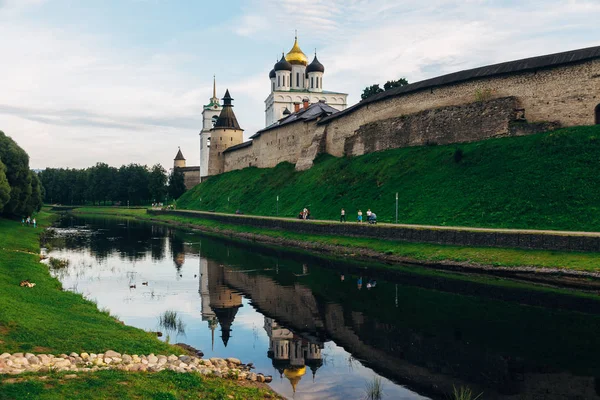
(598, 114)
(273, 86)
(317, 81)
(214, 120)
(297, 79)
(312, 82)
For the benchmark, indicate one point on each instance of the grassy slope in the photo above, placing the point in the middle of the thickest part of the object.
(416, 251)
(543, 181)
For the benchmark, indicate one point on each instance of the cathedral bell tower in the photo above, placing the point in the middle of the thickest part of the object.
(225, 133)
(210, 114)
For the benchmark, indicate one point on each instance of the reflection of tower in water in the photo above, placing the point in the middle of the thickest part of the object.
(219, 303)
(291, 353)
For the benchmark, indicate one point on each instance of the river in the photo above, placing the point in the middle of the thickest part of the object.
(325, 328)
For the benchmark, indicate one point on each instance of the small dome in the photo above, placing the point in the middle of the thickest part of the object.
(296, 55)
(315, 66)
(283, 65)
(272, 74)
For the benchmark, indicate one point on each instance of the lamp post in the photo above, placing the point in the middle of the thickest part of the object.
(396, 207)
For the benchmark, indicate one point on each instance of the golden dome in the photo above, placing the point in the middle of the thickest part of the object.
(296, 56)
(294, 375)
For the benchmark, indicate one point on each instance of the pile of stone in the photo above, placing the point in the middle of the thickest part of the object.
(232, 368)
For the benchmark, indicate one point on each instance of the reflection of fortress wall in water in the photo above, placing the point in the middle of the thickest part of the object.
(433, 364)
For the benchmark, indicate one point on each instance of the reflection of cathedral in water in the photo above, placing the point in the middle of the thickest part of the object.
(219, 303)
(292, 353)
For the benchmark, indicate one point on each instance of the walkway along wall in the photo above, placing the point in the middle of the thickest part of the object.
(416, 234)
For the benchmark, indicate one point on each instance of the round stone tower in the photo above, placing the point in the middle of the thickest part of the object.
(226, 133)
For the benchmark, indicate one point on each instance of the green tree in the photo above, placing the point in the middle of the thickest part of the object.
(18, 175)
(34, 201)
(371, 91)
(4, 187)
(176, 183)
(394, 84)
(374, 89)
(157, 184)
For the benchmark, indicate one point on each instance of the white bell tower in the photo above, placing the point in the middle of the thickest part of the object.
(210, 113)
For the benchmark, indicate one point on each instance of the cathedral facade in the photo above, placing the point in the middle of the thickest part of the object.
(293, 81)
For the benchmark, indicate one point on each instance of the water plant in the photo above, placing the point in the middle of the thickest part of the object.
(171, 321)
(58, 263)
(374, 389)
(464, 393)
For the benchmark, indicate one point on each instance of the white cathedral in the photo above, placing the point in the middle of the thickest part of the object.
(293, 80)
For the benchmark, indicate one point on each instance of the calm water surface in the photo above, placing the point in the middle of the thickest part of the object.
(325, 328)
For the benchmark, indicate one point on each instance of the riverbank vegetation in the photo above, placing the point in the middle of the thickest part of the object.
(352, 246)
(115, 384)
(20, 188)
(131, 184)
(542, 181)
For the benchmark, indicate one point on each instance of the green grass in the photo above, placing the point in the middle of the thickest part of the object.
(542, 181)
(46, 318)
(165, 385)
(423, 252)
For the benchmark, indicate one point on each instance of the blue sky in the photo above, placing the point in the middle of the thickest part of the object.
(124, 81)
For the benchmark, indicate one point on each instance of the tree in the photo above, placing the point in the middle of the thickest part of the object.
(371, 91)
(394, 84)
(374, 89)
(176, 183)
(18, 175)
(4, 187)
(157, 184)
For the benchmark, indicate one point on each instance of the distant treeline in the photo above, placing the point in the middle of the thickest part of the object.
(20, 189)
(131, 184)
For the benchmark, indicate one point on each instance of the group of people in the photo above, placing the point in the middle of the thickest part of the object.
(371, 216)
(29, 221)
(157, 205)
(304, 214)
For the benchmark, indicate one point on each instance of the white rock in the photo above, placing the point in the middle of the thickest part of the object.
(5, 355)
(111, 353)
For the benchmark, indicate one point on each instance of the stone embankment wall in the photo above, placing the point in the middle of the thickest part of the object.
(416, 234)
(476, 109)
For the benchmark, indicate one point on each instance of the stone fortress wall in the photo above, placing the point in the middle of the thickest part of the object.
(535, 95)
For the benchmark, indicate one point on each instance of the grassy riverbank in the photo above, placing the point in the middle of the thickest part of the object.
(542, 181)
(46, 319)
(165, 385)
(351, 246)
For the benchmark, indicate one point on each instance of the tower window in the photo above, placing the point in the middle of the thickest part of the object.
(312, 82)
(297, 79)
(317, 81)
(273, 86)
(279, 81)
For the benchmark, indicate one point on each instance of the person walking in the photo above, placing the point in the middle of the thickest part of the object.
(359, 217)
(343, 215)
(369, 215)
(34, 223)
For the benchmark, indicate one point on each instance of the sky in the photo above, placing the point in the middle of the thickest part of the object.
(124, 81)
